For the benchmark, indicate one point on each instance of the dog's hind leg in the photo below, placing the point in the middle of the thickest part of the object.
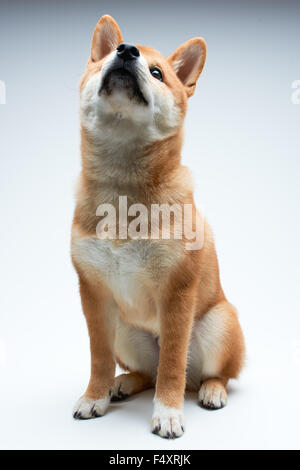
(212, 394)
(129, 384)
(138, 352)
(216, 354)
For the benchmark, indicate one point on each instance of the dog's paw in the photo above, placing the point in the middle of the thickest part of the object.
(212, 395)
(122, 388)
(167, 422)
(87, 408)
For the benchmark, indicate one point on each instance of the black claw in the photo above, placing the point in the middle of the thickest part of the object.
(77, 415)
(210, 406)
(95, 413)
(156, 430)
(119, 396)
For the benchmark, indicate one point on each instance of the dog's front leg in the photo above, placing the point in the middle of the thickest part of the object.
(98, 308)
(176, 318)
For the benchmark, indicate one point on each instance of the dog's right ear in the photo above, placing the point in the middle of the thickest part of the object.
(107, 36)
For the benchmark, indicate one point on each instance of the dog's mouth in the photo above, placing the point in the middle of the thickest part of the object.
(123, 80)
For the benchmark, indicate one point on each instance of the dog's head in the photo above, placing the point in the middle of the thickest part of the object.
(133, 92)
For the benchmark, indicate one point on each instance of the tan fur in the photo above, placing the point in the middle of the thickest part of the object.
(129, 384)
(98, 310)
(150, 292)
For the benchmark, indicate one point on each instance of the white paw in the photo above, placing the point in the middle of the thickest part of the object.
(167, 422)
(121, 389)
(212, 397)
(87, 408)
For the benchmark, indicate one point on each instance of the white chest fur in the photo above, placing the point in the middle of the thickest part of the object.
(133, 270)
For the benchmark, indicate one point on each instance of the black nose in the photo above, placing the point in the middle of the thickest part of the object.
(127, 51)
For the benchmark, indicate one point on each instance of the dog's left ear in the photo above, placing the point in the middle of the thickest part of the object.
(107, 36)
(188, 61)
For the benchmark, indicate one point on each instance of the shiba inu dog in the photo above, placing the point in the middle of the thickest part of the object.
(151, 304)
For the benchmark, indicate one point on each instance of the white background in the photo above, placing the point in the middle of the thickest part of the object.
(242, 144)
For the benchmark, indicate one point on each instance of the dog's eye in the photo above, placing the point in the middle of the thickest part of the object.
(156, 73)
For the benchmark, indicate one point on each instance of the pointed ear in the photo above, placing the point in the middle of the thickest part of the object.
(107, 36)
(188, 61)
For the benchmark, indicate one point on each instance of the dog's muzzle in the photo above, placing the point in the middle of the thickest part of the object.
(122, 74)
